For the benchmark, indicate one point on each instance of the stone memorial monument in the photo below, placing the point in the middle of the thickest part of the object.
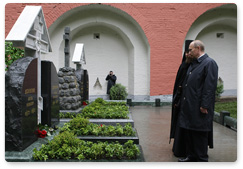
(21, 104)
(67, 39)
(81, 74)
(50, 94)
(69, 92)
(23, 101)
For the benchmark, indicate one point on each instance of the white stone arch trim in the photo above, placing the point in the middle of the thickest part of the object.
(212, 17)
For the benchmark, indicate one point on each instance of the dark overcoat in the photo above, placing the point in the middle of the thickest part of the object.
(179, 146)
(111, 82)
(198, 90)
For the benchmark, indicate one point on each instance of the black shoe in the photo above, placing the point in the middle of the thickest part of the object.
(187, 159)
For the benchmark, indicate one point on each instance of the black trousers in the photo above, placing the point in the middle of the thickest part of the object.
(197, 145)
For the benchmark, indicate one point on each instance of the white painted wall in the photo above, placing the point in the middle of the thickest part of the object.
(102, 55)
(223, 51)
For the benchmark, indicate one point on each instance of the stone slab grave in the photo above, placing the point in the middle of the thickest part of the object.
(50, 94)
(23, 101)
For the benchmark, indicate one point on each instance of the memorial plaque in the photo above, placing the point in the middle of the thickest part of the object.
(21, 104)
(50, 94)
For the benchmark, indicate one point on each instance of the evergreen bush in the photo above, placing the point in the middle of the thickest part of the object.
(118, 92)
(220, 88)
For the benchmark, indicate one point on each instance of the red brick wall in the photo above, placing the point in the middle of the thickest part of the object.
(165, 26)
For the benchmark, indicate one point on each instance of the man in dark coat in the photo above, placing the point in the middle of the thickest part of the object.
(197, 103)
(111, 78)
(179, 147)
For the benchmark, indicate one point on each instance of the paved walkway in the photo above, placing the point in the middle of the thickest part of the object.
(153, 127)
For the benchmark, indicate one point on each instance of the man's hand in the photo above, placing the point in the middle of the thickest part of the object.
(203, 110)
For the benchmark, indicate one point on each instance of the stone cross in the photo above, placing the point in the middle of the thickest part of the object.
(30, 32)
(67, 39)
(79, 55)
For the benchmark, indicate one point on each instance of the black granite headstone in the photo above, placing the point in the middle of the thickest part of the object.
(80, 79)
(86, 85)
(21, 104)
(50, 94)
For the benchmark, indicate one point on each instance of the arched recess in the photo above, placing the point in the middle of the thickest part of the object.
(217, 28)
(121, 46)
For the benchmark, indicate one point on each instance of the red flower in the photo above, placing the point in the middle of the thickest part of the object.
(101, 125)
(41, 134)
(84, 103)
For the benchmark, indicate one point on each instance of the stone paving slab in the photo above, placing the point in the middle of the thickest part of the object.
(153, 127)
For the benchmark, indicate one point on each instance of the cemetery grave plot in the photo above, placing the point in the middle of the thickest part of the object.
(102, 112)
(85, 130)
(68, 148)
(95, 142)
(103, 126)
(101, 109)
(106, 143)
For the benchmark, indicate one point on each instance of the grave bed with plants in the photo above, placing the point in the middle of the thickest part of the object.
(102, 112)
(82, 140)
(67, 147)
(100, 132)
(101, 109)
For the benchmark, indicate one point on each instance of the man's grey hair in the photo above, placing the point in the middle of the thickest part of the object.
(198, 43)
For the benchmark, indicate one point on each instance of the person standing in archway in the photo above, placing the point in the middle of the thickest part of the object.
(111, 78)
(197, 103)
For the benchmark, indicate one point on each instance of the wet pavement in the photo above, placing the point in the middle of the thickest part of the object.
(153, 127)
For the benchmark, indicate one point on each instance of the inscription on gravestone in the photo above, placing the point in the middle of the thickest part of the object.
(21, 104)
(50, 94)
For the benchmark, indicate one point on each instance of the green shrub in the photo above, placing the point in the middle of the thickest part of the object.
(118, 92)
(99, 100)
(220, 88)
(12, 54)
(67, 146)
